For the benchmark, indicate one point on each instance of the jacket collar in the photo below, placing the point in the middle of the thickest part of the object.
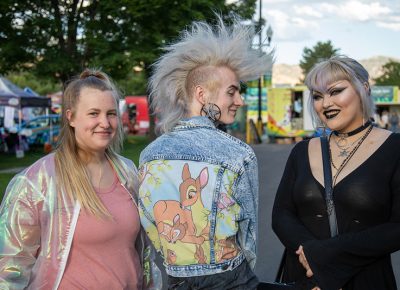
(120, 169)
(198, 121)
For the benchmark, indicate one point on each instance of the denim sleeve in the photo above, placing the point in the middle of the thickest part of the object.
(247, 195)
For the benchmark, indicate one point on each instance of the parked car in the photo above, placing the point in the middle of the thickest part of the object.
(41, 129)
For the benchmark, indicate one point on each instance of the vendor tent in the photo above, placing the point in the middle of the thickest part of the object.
(13, 96)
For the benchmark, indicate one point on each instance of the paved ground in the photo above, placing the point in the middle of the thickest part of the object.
(272, 159)
(271, 162)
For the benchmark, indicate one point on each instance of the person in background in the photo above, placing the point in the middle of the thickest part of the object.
(70, 220)
(365, 163)
(198, 197)
(385, 119)
(11, 139)
(394, 122)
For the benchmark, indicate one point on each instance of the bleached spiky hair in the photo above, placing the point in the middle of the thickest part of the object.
(201, 45)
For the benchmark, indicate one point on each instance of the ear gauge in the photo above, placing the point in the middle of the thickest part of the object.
(212, 111)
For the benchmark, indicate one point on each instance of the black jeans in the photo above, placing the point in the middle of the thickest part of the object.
(240, 278)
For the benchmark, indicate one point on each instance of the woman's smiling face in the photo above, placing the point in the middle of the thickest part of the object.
(95, 119)
(339, 106)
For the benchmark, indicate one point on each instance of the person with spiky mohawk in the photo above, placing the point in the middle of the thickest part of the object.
(198, 196)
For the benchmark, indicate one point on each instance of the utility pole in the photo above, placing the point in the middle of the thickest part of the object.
(261, 80)
(259, 119)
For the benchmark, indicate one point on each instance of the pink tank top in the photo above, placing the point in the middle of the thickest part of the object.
(103, 254)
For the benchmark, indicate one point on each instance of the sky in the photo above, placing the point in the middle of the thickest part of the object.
(359, 28)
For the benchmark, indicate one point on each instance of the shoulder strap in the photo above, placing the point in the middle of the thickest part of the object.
(328, 186)
(281, 269)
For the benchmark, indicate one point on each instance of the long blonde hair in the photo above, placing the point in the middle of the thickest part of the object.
(72, 176)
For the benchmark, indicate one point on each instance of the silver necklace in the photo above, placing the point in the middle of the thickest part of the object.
(347, 159)
(342, 144)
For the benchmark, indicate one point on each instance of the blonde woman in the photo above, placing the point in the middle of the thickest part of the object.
(70, 221)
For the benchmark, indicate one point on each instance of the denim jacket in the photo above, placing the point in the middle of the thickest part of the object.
(198, 199)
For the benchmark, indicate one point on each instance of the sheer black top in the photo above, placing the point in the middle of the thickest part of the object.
(367, 205)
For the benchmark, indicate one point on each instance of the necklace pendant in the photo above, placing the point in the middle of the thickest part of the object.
(343, 153)
(342, 142)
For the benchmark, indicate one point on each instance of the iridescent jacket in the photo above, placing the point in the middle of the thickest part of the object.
(198, 199)
(37, 225)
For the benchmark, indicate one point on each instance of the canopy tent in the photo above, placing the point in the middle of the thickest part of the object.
(13, 96)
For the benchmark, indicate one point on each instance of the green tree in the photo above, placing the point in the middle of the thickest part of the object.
(54, 38)
(391, 74)
(58, 38)
(319, 52)
(42, 86)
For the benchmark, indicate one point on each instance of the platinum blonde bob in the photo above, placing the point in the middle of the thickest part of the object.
(335, 69)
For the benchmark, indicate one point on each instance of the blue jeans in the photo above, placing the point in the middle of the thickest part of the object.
(240, 278)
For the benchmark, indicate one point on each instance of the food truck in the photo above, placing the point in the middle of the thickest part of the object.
(386, 98)
(288, 113)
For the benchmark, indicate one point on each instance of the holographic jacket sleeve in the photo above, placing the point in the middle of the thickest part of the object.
(19, 233)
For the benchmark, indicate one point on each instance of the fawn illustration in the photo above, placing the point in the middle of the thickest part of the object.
(174, 219)
(173, 233)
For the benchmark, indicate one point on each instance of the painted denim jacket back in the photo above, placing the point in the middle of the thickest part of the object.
(198, 199)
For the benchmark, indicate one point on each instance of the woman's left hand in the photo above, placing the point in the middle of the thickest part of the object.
(303, 261)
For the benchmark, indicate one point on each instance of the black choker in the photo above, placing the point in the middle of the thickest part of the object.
(354, 132)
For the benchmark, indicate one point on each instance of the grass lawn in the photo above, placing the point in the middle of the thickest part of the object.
(132, 147)
(10, 161)
(4, 179)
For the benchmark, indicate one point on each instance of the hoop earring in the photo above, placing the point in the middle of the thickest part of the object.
(212, 111)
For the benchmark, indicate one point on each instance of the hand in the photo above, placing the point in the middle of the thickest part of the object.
(303, 261)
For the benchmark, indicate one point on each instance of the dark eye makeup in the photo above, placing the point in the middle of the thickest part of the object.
(336, 91)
